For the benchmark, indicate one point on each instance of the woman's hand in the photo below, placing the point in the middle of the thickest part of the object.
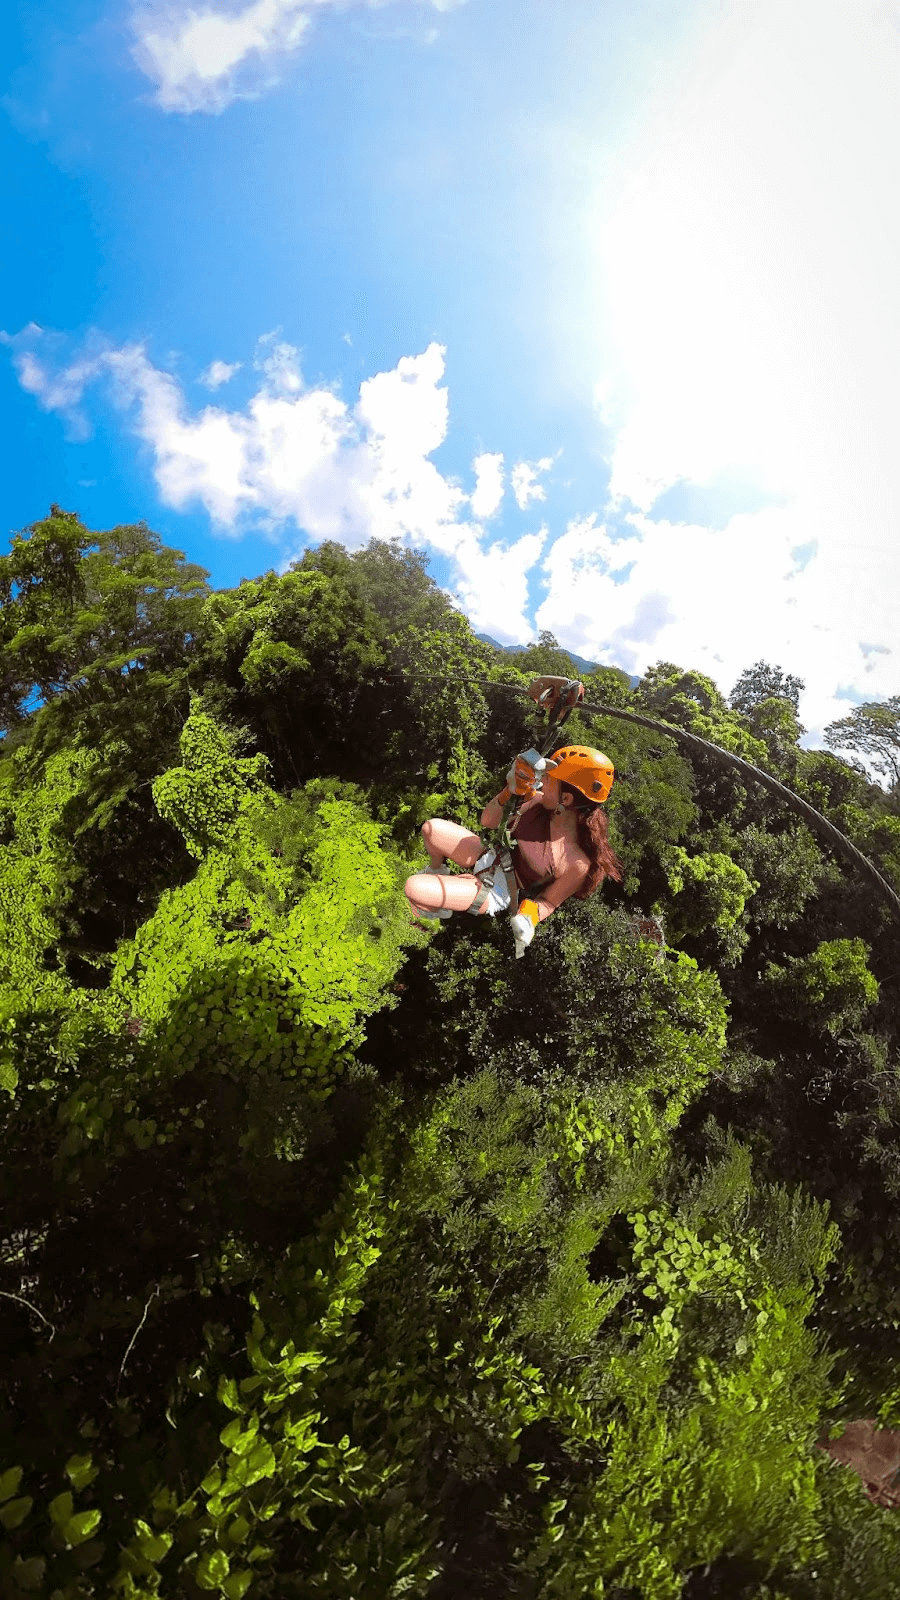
(523, 925)
(525, 773)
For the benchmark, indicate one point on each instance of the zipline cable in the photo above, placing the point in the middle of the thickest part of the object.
(692, 741)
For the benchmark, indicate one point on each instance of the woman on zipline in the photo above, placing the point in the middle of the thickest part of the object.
(562, 848)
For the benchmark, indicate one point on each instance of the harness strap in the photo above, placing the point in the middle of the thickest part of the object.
(510, 876)
(534, 889)
(484, 890)
(487, 883)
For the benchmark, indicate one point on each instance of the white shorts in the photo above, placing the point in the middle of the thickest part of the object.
(498, 897)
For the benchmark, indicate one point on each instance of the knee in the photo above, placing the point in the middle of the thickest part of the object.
(427, 831)
(419, 889)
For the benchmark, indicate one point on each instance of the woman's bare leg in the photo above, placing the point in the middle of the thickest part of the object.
(427, 892)
(447, 841)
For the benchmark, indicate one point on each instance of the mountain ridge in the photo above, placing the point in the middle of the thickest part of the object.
(580, 661)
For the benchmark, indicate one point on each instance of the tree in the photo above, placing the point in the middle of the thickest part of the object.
(776, 723)
(831, 987)
(97, 633)
(80, 611)
(692, 701)
(394, 583)
(293, 658)
(314, 1282)
(762, 682)
(713, 893)
(546, 656)
(873, 729)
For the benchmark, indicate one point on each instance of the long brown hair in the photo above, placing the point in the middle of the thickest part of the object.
(593, 837)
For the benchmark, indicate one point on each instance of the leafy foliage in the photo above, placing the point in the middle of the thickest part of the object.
(80, 609)
(760, 683)
(832, 988)
(713, 891)
(874, 729)
(340, 1258)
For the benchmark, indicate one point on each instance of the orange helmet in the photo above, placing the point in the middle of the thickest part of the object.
(588, 771)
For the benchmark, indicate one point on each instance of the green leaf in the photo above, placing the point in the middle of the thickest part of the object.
(29, 1575)
(80, 1472)
(240, 1439)
(228, 1394)
(81, 1526)
(15, 1511)
(237, 1584)
(306, 1358)
(211, 1570)
(153, 1546)
(9, 1482)
(259, 1464)
(238, 1530)
(61, 1509)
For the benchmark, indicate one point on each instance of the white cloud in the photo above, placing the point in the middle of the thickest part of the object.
(524, 478)
(219, 372)
(304, 457)
(58, 390)
(292, 455)
(747, 255)
(493, 583)
(487, 495)
(279, 363)
(625, 601)
(203, 58)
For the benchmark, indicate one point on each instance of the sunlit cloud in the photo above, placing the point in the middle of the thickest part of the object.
(298, 458)
(219, 372)
(202, 58)
(487, 496)
(524, 479)
(747, 256)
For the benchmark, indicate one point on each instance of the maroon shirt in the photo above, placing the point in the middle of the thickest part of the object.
(543, 847)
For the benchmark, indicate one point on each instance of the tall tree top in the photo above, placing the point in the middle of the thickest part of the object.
(78, 605)
(763, 682)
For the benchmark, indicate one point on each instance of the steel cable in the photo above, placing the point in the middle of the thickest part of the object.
(692, 741)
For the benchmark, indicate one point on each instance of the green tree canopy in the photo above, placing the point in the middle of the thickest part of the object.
(873, 730)
(762, 682)
(79, 609)
(342, 1258)
(392, 582)
(546, 655)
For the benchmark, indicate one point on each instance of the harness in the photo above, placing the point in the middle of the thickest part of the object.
(503, 861)
(559, 701)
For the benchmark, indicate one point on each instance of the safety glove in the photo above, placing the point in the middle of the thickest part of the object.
(525, 773)
(523, 925)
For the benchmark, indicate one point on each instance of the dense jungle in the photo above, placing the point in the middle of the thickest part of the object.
(344, 1255)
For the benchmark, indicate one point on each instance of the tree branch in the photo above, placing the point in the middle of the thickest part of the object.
(134, 1336)
(7, 1296)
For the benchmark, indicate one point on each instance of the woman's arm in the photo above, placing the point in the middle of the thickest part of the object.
(493, 811)
(568, 883)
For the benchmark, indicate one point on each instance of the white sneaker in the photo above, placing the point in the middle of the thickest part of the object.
(431, 911)
(443, 871)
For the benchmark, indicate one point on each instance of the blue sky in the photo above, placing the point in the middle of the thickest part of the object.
(645, 252)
